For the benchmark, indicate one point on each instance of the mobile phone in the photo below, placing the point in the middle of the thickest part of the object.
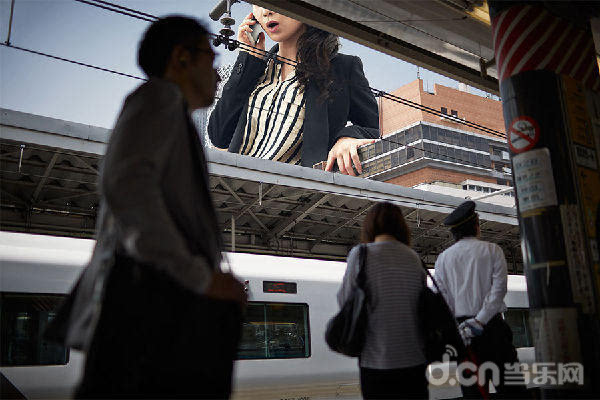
(256, 30)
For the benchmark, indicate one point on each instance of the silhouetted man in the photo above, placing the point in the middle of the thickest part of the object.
(154, 312)
(472, 276)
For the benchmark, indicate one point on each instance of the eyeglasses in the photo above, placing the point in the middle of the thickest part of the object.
(198, 49)
(207, 51)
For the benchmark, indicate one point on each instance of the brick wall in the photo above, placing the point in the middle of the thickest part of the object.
(481, 110)
(428, 175)
(395, 115)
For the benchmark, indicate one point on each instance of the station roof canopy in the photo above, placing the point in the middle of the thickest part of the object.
(49, 170)
(450, 37)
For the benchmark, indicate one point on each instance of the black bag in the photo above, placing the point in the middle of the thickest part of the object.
(346, 331)
(438, 325)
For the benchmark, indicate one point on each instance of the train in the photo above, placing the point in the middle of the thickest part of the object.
(282, 354)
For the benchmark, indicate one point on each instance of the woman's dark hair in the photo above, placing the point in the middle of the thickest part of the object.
(466, 229)
(385, 219)
(162, 37)
(315, 50)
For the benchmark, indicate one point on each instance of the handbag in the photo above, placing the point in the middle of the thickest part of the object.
(346, 331)
(438, 325)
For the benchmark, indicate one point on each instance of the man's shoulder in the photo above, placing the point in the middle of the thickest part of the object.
(157, 92)
(490, 246)
(450, 250)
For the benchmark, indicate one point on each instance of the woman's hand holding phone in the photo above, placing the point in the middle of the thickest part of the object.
(244, 30)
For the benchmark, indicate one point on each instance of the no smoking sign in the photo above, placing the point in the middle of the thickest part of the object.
(523, 134)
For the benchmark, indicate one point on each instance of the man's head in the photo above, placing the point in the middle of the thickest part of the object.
(464, 221)
(176, 48)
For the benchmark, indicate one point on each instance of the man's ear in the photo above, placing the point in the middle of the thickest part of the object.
(180, 57)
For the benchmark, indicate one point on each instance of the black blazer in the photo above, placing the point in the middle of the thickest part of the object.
(324, 121)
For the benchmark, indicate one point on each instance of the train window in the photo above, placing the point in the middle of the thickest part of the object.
(518, 320)
(24, 317)
(275, 330)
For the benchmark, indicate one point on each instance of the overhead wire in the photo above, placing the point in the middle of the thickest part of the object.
(149, 18)
(386, 139)
(119, 9)
(39, 53)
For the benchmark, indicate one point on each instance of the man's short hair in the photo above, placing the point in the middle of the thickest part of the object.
(162, 37)
(467, 229)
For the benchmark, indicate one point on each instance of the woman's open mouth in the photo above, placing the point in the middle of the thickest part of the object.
(273, 26)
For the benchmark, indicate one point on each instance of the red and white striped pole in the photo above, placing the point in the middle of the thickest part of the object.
(550, 83)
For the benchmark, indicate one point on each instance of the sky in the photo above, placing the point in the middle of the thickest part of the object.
(69, 29)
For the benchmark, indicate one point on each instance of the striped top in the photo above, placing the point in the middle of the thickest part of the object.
(395, 280)
(275, 119)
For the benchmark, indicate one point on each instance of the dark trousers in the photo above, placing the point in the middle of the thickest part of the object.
(495, 345)
(400, 383)
(155, 339)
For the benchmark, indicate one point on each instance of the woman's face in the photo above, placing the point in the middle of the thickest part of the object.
(279, 27)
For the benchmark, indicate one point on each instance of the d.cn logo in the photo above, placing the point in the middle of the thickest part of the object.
(467, 373)
(539, 373)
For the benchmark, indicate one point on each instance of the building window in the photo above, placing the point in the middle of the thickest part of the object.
(24, 318)
(275, 330)
(426, 134)
(385, 146)
(410, 153)
(444, 110)
(454, 113)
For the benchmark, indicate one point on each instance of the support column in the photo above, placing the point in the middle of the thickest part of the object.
(549, 84)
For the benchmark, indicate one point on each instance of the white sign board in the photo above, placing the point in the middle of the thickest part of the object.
(534, 180)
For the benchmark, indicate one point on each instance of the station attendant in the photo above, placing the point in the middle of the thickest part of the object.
(154, 313)
(472, 276)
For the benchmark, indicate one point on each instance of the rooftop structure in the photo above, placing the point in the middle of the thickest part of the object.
(425, 150)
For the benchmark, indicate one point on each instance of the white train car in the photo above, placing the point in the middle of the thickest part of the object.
(282, 355)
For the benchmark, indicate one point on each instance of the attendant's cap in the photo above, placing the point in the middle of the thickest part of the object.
(463, 213)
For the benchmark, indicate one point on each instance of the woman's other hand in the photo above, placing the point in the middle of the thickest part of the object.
(345, 152)
(244, 29)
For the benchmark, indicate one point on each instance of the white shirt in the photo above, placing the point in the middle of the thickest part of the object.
(472, 277)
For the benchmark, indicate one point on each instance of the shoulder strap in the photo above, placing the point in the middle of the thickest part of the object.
(431, 276)
(438, 288)
(362, 261)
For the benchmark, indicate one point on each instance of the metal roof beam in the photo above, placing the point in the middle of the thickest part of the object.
(304, 210)
(337, 228)
(44, 178)
(239, 200)
(85, 164)
(14, 197)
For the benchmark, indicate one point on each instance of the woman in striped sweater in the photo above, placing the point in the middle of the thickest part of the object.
(274, 109)
(392, 363)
